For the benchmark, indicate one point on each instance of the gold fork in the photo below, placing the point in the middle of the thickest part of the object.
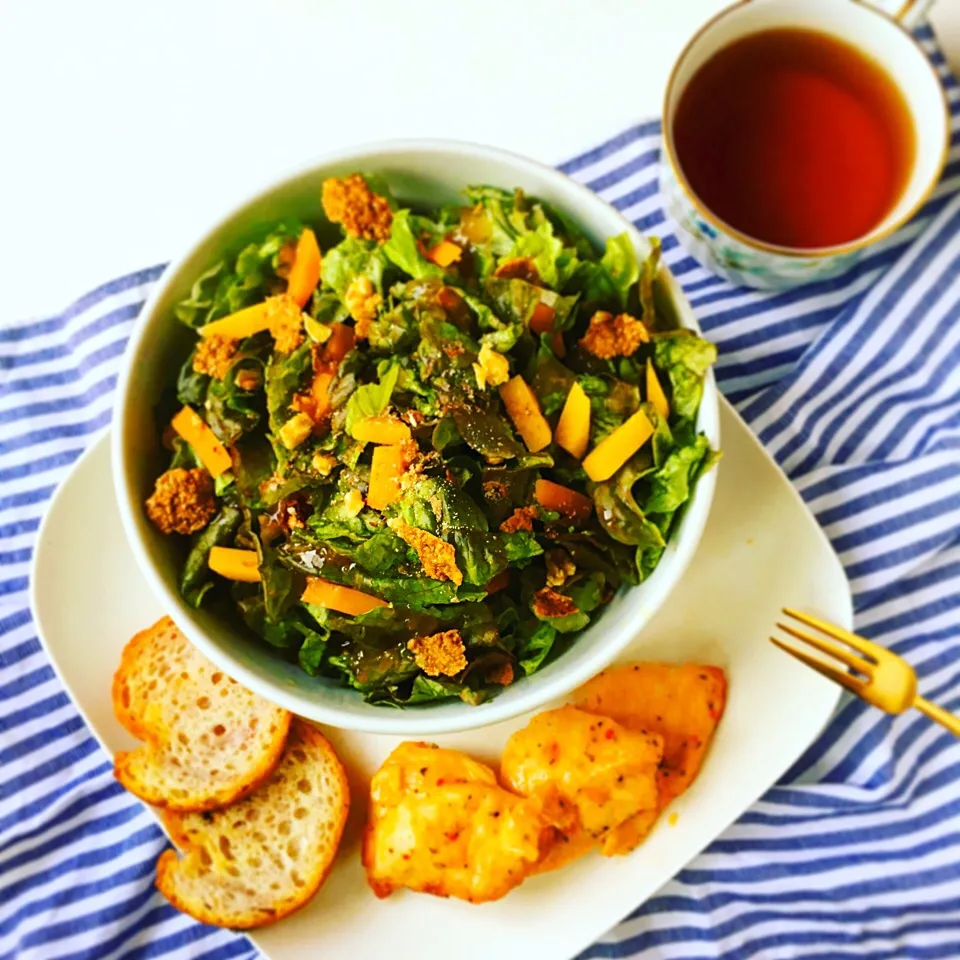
(886, 680)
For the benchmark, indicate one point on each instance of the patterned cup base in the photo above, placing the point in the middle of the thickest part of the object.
(734, 260)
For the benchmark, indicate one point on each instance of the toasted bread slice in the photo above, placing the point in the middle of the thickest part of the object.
(208, 741)
(264, 857)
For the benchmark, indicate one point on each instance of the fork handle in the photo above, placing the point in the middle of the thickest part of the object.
(943, 717)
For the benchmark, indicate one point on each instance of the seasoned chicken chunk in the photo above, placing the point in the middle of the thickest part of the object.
(683, 703)
(439, 823)
(596, 769)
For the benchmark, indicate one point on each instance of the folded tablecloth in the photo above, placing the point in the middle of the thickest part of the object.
(853, 385)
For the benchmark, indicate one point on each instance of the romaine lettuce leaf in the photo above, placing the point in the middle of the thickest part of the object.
(515, 300)
(619, 260)
(482, 555)
(413, 592)
(671, 485)
(651, 266)
(444, 510)
(283, 377)
(445, 434)
(486, 432)
(372, 399)
(612, 401)
(191, 386)
(372, 670)
(313, 650)
(534, 644)
(500, 333)
(280, 585)
(289, 632)
(184, 456)
(510, 486)
(523, 227)
(685, 358)
(402, 249)
(551, 380)
(545, 250)
(382, 554)
(351, 258)
(254, 464)
(230, 411)
(607, 282)
(506, 213)
(617, 509)
(394, 330)
(195, 577)
(426, 689)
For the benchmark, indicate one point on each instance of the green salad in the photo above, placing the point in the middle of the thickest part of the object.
(417, 451)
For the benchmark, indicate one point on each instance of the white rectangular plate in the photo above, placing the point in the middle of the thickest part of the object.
(761, 550)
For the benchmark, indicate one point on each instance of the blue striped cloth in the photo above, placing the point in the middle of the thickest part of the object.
(853, 385)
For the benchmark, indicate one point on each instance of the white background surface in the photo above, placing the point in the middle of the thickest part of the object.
(128, 127)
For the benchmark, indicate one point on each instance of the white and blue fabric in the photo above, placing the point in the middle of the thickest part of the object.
(853, 385)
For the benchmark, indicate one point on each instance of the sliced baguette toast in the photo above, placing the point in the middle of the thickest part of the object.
(208, 742)
(264, 857)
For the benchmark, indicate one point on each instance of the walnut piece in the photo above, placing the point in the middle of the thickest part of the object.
(560, 567)
(519, 268)
(548, 604)
(491, 368)
(362, 301)
(521, 519)
(502, 674)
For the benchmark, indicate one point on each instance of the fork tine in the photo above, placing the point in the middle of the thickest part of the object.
(860, 644)
(831, 673)
(838, 652)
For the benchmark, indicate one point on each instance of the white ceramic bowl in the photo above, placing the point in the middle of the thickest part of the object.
(432, 172)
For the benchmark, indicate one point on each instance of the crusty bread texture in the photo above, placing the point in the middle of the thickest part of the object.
(261, 859)
(208, 742)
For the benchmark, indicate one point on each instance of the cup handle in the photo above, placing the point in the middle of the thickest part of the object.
(906, 12)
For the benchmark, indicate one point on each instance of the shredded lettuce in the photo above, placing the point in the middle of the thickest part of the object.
(525, 283)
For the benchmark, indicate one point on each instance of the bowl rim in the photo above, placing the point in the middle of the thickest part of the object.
(447, 718)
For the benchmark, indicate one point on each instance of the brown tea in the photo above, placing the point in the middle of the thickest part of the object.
(795, 138)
